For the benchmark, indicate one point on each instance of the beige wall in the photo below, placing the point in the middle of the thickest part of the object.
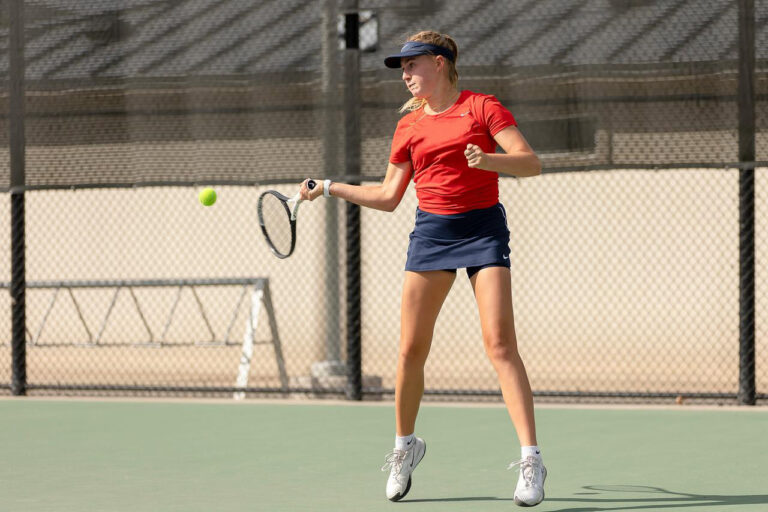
(623, 280)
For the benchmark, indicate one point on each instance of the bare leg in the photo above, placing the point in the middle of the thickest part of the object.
(423, 296)
(493, 292)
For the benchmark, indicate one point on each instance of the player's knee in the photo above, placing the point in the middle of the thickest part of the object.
(500, 348)
(412, 354)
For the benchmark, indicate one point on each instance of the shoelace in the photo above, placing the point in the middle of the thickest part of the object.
(528, 467)
(394, 461)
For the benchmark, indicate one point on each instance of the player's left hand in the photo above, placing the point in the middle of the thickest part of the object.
(476, 157)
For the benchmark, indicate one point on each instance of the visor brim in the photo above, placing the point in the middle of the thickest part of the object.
(393, 61)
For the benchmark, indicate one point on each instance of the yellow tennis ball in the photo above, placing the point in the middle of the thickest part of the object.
(207, 196)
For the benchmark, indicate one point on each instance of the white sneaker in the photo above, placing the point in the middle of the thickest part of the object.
(530, 485)
(401, 464)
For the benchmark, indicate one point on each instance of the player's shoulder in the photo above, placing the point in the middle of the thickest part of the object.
(477, 97)
(410, 117)
(408, 121)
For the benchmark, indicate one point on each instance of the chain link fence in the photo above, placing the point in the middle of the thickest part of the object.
(627, 285)
(625, 252)
(85, 329)
(761, 273)
(623, 281)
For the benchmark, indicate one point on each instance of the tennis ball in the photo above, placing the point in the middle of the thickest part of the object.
(207, 196)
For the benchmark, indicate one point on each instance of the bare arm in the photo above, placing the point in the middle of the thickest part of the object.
(518, 158)
(385, 196)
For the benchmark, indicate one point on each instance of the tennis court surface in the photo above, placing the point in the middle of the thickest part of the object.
(75, 455)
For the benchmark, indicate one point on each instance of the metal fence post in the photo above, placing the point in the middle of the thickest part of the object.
(747, 389)
(332, 365)
(352, 130)
(16, 141)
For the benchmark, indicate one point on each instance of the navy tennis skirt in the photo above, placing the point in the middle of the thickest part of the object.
(473, 240)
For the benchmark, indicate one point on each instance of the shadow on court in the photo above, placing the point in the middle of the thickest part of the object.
(659, 499)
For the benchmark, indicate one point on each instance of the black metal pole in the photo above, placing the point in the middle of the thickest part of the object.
(16, 141)
(747, 390)
(352, 129)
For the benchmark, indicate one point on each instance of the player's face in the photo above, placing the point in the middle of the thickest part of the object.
(420, 75)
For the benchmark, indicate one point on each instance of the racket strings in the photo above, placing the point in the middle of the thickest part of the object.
(277, 223)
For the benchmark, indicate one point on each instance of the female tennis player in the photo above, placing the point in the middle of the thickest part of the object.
(447, 143)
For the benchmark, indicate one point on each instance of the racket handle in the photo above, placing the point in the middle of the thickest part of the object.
(311, 184)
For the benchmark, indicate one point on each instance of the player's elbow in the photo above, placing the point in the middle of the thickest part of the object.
(536, 165)
(533, 167)
(390, 198)
(390, 204)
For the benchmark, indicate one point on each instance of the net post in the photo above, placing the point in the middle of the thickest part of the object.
(746, 104)
(17, 148)
(354, 390)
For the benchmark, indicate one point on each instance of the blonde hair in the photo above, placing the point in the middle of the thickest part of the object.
(437, 39)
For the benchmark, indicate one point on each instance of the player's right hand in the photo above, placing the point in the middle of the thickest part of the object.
(308, 194)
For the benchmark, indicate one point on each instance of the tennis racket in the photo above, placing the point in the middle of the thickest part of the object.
(277, 218)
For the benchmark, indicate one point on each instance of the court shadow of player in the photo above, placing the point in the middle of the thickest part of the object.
(597, 498)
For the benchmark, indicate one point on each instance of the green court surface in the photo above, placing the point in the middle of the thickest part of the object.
(190, 456)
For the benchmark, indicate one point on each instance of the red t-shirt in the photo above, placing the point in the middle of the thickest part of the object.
(435, 147)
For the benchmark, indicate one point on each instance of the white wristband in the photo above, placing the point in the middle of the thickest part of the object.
(327, 188)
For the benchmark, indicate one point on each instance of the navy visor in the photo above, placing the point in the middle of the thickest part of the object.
(414, 48)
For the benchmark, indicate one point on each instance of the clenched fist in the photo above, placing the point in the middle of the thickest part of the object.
(476, 157)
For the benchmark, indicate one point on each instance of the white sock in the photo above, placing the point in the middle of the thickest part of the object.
(530, 451)
(404, 442)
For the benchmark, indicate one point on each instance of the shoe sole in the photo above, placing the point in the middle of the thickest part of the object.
(398, 497)
(521, 503)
